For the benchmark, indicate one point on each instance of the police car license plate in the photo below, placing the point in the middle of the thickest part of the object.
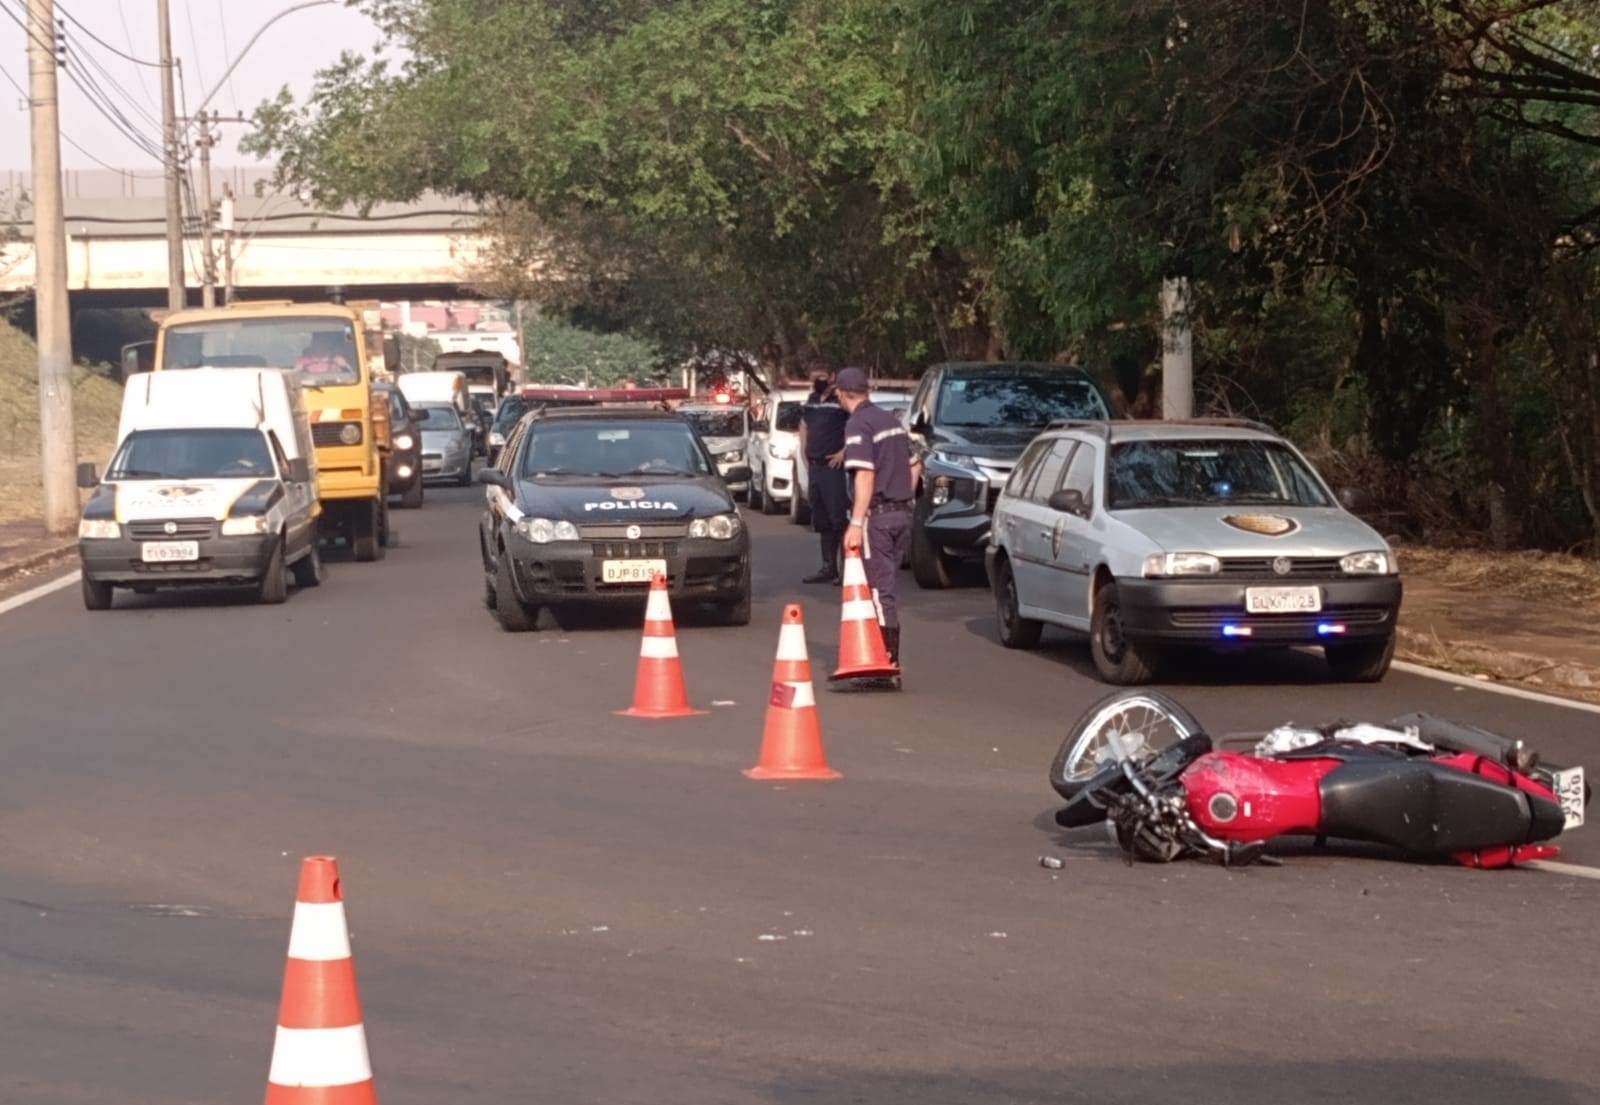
(1283, 600)
(167, 552)
(1569, 788)
(631, 571)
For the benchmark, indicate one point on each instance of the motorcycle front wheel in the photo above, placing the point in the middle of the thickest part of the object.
(1126, 725)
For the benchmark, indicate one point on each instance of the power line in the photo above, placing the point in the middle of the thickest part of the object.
(82, 26)
(75, 144)
(227, 51)
(127, 33)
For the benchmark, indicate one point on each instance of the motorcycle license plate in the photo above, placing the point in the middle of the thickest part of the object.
(168, 552)
(631, 571)
(1569, 788)
(1283, 600)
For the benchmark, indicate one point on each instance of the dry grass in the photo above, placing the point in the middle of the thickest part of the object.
(97, 402)
(1534, 576)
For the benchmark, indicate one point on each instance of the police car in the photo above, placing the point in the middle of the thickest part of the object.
(587, 505)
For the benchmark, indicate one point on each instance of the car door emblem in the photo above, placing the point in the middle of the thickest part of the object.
(170, 528)
(1281, 565)
(633, 533)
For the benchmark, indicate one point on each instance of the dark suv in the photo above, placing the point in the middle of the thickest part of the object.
(970, 423)
(404, 462)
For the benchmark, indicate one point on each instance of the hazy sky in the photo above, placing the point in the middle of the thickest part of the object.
(206, 36)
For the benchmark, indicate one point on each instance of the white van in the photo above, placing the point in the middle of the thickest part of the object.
(213, 481)
(436, 387)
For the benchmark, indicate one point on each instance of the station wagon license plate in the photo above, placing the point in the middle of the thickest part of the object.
(1569, 788)
(169, 552)
(1283, 600)
(631, 571)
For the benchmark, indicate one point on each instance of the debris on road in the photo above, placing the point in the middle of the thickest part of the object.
(1052, 862)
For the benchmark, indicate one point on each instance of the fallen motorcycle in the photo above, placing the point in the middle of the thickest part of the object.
(1419, 783)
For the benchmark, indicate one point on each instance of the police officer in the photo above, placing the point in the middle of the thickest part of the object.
(877, 454)
(822, 422)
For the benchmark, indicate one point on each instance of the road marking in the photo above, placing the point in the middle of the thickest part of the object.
(1572, 869)
(1494, 688)
(39, 592)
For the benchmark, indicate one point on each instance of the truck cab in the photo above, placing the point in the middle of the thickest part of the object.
(325, 345)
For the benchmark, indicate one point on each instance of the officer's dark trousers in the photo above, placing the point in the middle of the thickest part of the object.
(888, 537)
(829, 509)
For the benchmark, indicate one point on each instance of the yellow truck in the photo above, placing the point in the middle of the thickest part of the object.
(327, 345)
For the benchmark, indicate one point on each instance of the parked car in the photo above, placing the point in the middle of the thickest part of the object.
(725, 429)
(970, 422)
(446, 443)
(404, 462)
(1150, 535)
(774, 440)
(511, 408)
(896, 402)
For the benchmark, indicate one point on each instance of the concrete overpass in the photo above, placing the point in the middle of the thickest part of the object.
(280, 248)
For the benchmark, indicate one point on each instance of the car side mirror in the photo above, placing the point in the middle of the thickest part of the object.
(919, 426)
(1069, 500)
(86, 476)
(494, 477)
(299, 470)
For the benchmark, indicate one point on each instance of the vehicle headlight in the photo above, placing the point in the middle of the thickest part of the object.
(247, 526)
(496, 437)
(542, 531)
(350, 434)
(1368, 564)
(404, 441)
(781, 450)
(99, 529)
(1181, 564)
(946, 488)
(719, 527)
(733, 456)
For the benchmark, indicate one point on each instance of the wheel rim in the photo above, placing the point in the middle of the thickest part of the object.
(1132, 727)
(1008, 600)
(1111, 642)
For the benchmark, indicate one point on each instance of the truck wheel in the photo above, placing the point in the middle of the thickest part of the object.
(308, 569)
(411, 498)
(1360, 661)
(514, 615)
(365, 532)
(274, 586)
(930, 567)
(96, 595)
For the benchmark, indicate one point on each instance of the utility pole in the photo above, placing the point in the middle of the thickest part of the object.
(58, 445)
(208, 259)
(1177, 350)
(169, 143)
(225, 221)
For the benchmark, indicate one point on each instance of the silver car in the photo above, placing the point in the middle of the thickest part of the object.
(447, 443)
(1150, 535)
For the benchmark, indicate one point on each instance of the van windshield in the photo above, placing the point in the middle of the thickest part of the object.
(192, 455)
(321, 350)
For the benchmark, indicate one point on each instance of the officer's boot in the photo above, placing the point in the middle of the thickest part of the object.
(891, 644)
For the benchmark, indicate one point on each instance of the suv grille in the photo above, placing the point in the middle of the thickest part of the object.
(1300, 567)
(635, 550)
(327, 433)
(619, 530)
(188, 529)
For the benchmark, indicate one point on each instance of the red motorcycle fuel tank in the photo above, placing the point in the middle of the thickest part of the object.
(1236, 797)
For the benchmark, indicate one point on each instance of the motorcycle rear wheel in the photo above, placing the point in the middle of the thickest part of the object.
(1124, 725)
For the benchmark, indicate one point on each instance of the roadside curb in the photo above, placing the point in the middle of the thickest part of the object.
(1490, 665)
(32, 562)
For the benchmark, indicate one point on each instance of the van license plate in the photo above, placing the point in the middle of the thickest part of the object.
(1569, 788)
(1283, 600)
(631, 571)
(169, 552)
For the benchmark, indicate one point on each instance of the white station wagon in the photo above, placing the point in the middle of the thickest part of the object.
(1151, 535)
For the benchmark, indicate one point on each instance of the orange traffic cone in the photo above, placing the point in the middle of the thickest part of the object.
(861, 650)
(320, 1054)
(791, 746)
(659, 690)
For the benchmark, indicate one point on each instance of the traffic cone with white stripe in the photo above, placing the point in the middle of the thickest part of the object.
(320, 1054)
(862, 653)
(791, 745)
(659, 691)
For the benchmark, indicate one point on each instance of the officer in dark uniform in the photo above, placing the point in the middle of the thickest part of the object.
(822, 422)
(877, 454)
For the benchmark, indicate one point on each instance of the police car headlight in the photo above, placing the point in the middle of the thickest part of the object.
(99, 529)
(1181, 564)
(350, 434)
(247, 526)
(700, 527)
(541, 531)
(781, 450)
(404, 441)
(1367, 564)
(566, 531)
(722, 527)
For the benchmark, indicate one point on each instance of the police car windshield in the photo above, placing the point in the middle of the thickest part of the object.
(1207, 473)
(725, 423)
(1006, 398)
(610, 449)
(192, 455)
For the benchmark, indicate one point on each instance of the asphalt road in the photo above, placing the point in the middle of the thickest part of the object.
(552, 903)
